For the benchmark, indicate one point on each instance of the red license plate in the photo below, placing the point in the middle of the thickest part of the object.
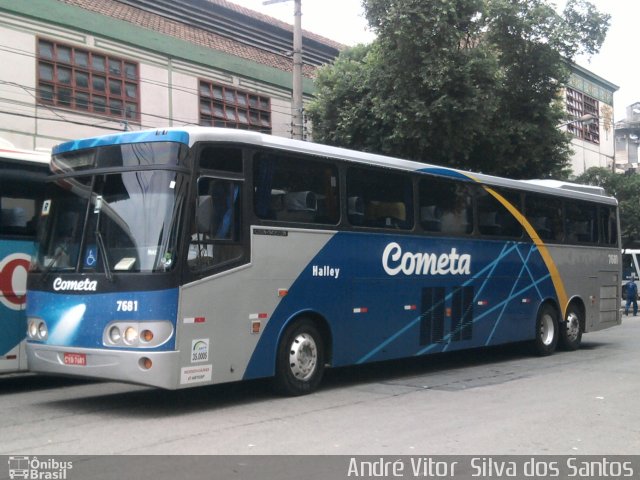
(79, 359)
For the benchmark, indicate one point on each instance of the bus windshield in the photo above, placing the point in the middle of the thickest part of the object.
(112, 222)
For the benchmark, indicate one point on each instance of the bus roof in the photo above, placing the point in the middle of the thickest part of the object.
(577, 187)
(19, 155)
(193, 134)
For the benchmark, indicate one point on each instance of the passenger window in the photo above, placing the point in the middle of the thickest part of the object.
(545, 216)
(494, 219)
(221, 158)
(17, 216)
(216, 232)
(298, 190)
(19, 206)
(446, 206)
(608, 226)
(580, 222)
(380, 199)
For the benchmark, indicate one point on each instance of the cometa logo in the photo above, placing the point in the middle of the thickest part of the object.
(395, 261)
(85, 285)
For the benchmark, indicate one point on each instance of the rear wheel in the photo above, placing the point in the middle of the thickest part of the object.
(300, 360)
(546, 331)
(571, 329)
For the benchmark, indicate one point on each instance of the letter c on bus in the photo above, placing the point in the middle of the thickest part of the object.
(13, 276)
(394, 251)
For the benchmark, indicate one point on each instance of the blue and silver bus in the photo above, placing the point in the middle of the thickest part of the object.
(192, 256)
(22, 174)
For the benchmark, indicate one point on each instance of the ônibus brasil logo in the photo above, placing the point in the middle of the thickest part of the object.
(34, 469)
(13, 280)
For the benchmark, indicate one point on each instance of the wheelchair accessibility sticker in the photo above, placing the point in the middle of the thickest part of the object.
(91, 258)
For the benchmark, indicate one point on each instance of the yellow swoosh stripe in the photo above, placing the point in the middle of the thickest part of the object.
(558, 284)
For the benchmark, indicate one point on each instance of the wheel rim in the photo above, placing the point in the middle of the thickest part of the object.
(573, 326)
(547, 330)
(303, 356)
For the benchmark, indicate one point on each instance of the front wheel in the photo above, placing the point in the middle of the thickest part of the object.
(571, 329)
(300, 360)
(546, 331)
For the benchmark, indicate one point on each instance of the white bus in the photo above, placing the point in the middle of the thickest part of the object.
(630, 268)
(193, 256)
(22, 174)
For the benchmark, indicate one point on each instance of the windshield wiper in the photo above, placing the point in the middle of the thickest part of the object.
(97, 208)
(103, 255)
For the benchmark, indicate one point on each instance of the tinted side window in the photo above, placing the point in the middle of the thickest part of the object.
(446, 206)
(294, 189)
(580, 222)
(19, 205)
(608, 226)
(629, 266)
(494, 219)
(545, 216)
(216, 236)
(379, 198)
(221, 158)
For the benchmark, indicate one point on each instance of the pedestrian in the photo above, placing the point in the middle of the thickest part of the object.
(632, 297)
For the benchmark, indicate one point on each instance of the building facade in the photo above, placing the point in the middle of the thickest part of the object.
(590, 96)
(628, 139)
(80, 68)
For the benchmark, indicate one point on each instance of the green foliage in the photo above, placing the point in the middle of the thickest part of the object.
(466, 83)
(588, 24)
(626, 188)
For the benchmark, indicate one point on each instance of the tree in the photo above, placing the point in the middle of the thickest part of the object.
(465, 83)
(626, 188)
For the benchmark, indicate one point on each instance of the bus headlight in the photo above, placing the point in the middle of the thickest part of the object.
(37, 329)
(115, 335)
(43, 331)
(130, 335)
(33, 329)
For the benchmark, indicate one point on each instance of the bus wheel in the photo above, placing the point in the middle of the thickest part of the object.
(571, 329)
(546, 331)
(300, 361)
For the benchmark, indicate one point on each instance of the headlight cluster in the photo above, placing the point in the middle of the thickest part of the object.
(137, 334)
(37, 329)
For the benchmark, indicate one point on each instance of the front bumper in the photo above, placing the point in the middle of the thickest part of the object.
(116, 365)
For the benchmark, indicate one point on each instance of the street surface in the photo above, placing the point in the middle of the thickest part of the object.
(487, 402)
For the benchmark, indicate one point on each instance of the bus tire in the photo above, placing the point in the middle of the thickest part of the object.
(546, 338)
(300, 359)
(571, 329)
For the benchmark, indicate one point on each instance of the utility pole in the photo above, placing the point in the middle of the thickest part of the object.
(296, 100)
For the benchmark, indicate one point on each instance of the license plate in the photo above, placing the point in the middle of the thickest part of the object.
(79, 359)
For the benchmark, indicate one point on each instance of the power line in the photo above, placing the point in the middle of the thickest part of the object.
(54, 109)
(31, 90)
(58, 120)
